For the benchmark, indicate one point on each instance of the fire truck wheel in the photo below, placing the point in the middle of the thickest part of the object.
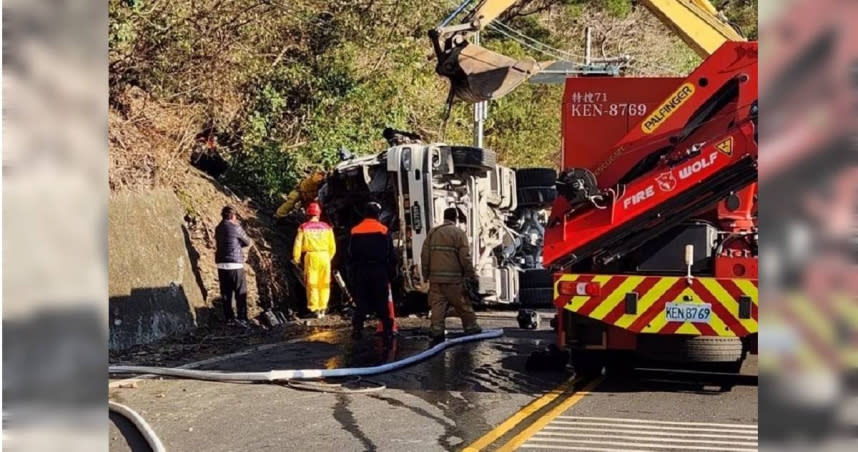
(727, 350)
(474, 158)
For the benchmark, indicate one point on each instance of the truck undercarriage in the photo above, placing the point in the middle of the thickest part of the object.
(415, 182)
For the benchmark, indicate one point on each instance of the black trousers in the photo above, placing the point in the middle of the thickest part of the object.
(370, 289)
(233, 286)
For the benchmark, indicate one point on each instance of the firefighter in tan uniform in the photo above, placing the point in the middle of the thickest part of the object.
(446, 264)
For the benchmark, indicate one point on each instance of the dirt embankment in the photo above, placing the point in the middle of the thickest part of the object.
(151, 144)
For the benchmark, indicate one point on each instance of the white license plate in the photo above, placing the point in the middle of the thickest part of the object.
(688, 312)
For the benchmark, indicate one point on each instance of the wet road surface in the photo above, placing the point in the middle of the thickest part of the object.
(465, 394)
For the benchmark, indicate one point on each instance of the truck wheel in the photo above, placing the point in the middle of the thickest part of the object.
(713, 349)
(536, 197)
(535, 177)
(535, 278)
(536, 288)
(473, 158)
(536, 186)
(536, 297)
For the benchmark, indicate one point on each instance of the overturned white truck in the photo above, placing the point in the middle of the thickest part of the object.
(415, 182)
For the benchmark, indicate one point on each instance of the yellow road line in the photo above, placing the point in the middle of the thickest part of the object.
(520, 415)
(538, 424)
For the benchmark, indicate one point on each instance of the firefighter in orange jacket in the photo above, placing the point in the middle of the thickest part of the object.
(315, 241)
(372, 263)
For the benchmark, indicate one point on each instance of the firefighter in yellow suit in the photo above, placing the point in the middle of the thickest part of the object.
(315, 240)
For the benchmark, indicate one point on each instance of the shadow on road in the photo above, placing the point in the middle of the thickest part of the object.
(346, 418)
(673, 381)
(132, 438)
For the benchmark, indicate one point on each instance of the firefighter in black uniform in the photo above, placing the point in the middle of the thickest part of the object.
(372, 264)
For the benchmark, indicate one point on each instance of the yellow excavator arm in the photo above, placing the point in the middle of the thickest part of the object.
(487, 11)
(477, 74)
(696, 22)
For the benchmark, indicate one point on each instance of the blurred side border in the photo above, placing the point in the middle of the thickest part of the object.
(55, 197)
(809, 237)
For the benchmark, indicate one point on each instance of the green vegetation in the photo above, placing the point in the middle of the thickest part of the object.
(283, 85)
(742, 13)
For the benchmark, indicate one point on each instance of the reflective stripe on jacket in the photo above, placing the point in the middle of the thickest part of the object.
(446, 256)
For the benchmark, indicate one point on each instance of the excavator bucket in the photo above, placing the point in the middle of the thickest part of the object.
(477, 74)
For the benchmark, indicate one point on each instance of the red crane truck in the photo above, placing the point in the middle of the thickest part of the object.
(653, 237)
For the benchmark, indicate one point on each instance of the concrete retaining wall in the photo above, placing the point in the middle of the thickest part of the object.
(153, 288)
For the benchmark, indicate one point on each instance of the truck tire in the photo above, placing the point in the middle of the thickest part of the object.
(536, 197)
(535, 177)
(535, 278)
(692, 349)
(536, 186)
(473, 158)
(708, 349)
(536, 297)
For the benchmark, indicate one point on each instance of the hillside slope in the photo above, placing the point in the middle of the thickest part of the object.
(275, 87)
(157, 160)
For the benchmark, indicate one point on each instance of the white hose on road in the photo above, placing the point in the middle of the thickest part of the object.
(305, 374)
(141, 424)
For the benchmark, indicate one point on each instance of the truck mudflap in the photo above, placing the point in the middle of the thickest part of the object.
(662, 304)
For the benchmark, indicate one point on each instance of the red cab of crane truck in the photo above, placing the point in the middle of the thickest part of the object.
(653, 237)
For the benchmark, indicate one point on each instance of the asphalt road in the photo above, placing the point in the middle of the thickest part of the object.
(474, 395)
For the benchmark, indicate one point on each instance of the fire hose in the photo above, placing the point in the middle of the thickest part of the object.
(141, 424)
(302, 374)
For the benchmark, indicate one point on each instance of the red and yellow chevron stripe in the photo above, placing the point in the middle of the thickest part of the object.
(602, 297)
